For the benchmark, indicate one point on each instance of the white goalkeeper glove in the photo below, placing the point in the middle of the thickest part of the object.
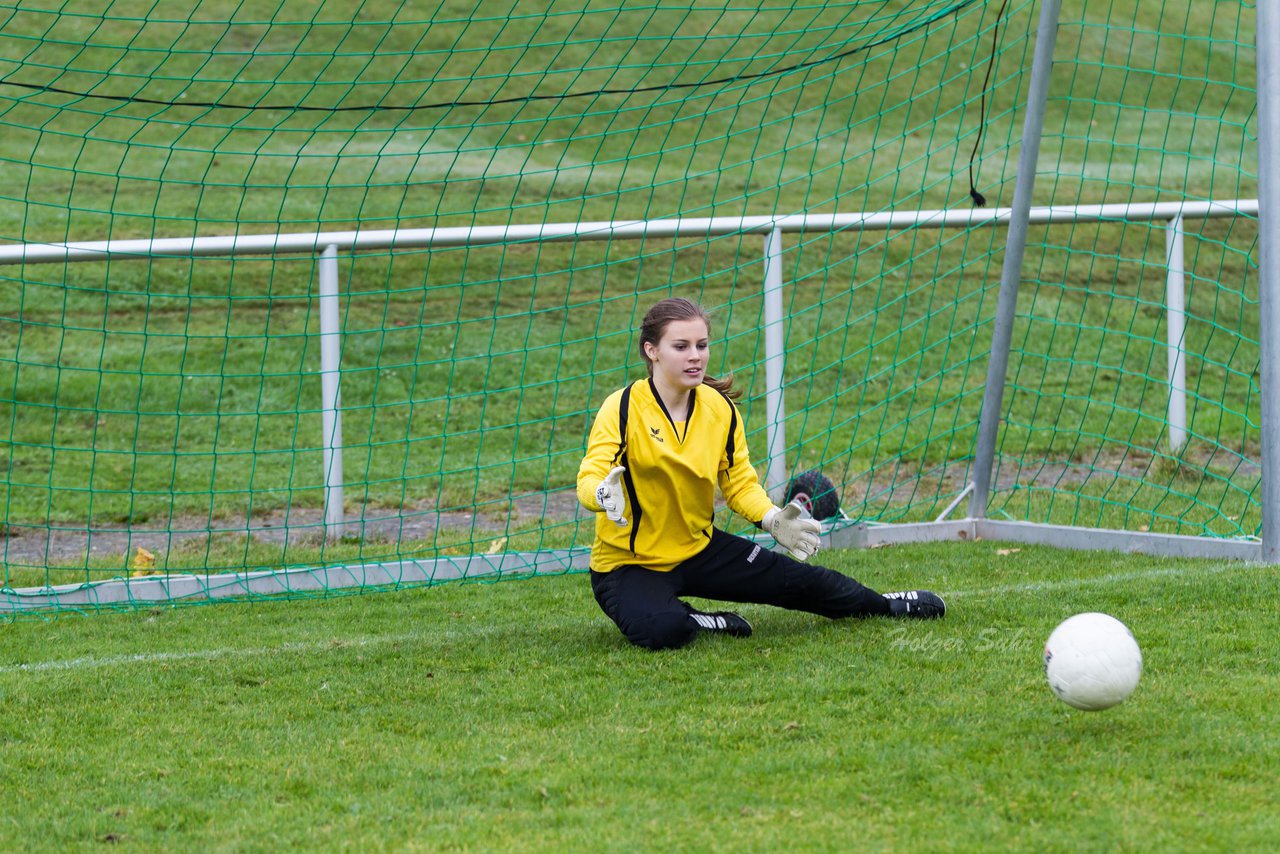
(793, 530)
(611, 497)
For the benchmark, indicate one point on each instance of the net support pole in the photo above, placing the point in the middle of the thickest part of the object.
(1267, 36)
(330, 392)
(774, 368)
(1015, 246)
(1176, 326)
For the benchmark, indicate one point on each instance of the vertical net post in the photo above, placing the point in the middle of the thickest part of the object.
(1176, 324)
(1015, 246)
(330, 392)
(1267, 36)
(774, 367)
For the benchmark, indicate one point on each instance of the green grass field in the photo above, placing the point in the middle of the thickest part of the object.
(513, 716)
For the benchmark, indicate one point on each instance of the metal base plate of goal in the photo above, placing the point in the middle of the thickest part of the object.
(863, 535)
(172, 588)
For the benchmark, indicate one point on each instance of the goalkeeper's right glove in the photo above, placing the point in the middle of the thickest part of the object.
(612, 498)
(793, 530)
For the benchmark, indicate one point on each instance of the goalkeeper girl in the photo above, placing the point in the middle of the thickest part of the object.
(657, 452)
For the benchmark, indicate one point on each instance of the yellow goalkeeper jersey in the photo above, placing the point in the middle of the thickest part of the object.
(673, 469)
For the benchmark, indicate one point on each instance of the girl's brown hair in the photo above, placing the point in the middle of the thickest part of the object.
(655, 324)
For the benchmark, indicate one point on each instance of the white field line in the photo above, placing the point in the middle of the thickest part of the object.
(89, 662)
(92, 661)
(1112, 578)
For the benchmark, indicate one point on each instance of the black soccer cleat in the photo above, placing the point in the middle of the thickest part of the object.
(723, 622)
(916, 604)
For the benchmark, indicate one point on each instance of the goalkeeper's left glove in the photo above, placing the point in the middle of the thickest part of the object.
(793, 530)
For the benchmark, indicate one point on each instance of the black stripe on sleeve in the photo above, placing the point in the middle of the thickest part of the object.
(637, 512)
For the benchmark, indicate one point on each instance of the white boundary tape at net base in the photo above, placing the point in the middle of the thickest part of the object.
(863, 535)
(162, 589)
(173, 588)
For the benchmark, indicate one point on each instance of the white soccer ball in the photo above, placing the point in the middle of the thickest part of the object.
(1092, 661)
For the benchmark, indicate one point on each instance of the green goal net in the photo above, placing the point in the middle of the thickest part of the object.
(302, 298)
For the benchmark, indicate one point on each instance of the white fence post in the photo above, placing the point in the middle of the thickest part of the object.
(1176, 317)
(774, 368)
(330, 392)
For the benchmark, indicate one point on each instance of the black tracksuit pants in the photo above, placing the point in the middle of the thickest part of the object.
(646, 606)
